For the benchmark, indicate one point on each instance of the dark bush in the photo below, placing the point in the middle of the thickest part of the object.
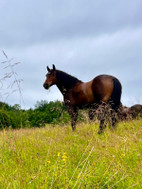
(5, 120)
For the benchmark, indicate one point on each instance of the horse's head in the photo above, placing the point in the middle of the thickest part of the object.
(50, 77)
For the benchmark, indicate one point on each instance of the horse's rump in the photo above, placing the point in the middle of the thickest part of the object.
(107, 88)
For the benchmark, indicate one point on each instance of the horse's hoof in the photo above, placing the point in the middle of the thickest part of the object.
(112, 129)
(73, 129)
(100, 132)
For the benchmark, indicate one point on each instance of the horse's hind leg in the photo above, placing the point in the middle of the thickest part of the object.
(113, 118)
(102, 117)
(102, 126)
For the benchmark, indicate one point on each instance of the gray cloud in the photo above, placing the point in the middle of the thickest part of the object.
(35, 21)
(80, 37)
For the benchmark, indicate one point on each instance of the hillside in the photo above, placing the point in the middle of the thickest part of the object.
(56, 157)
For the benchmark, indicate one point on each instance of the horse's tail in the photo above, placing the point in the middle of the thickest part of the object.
(116, 94)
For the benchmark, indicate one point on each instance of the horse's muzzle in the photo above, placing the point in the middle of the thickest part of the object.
(45, 85)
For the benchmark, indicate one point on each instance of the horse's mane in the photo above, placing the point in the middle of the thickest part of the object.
(65, 79)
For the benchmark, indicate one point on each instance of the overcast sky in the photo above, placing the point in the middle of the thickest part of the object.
(83, 38)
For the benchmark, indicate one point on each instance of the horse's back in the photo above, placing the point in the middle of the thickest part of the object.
(102, 88)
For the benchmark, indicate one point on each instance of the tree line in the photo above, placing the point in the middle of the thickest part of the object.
(43, 113)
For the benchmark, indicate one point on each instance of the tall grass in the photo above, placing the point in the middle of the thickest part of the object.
(10, 85)
(9, 80)
(56, 157)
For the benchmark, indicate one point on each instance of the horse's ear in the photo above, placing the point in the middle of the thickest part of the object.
(54, 67)
(48, 69)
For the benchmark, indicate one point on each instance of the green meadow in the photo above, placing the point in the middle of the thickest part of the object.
(55, 157)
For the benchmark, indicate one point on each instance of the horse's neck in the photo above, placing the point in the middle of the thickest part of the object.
(63, 89)
(65, 82)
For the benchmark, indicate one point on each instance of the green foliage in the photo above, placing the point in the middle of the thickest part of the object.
(12, 116)
(4, 106)
(51, 113)
(5, 120)
(43, 113)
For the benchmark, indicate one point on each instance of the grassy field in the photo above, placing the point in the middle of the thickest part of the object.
(56, 157)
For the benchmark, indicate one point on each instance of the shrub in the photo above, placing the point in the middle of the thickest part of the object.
(4, 119)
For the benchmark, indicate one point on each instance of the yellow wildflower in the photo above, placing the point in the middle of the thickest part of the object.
(64, 156)
(58, 154)
(94, 163)
(48, 161)
(122, 155)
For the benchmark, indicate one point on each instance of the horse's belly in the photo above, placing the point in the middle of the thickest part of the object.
(83, 101)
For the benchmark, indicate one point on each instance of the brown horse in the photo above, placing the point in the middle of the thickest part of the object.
(104, 89)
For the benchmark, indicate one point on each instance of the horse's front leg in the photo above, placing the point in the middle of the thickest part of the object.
(91, 114)
(73, 114)
(74, 119)
(92, 111)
